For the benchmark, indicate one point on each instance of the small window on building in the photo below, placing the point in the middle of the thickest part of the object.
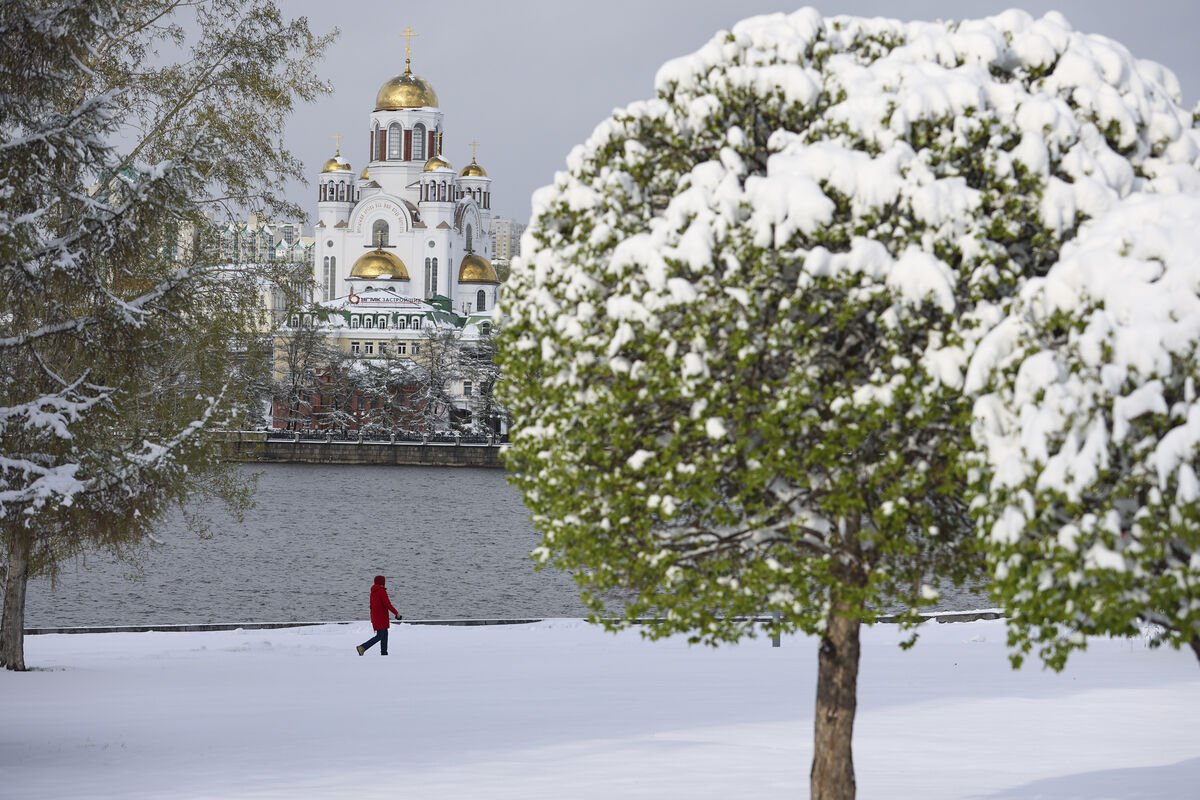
(354, 321)
(393, 143)
(381, 322)
(295, 323)
(354, 348)
(418, 146)
(480, 301)
(401, 348)
(369, 348)
(402, 323)
(466, 388)
(416, 348)
(383, 348)
(368, 322)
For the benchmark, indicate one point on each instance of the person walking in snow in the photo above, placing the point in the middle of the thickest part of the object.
(380, 605)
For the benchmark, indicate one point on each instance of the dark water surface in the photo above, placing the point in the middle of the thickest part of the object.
(453, 542)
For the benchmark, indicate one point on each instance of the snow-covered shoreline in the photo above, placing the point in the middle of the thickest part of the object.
(560, 709)
(207, 627)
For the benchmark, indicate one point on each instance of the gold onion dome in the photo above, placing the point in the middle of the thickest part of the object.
(336, 164)
(477, 269)
(437, 162)
(379, 264)
(405, 91)
(365, 176)
(473, 170)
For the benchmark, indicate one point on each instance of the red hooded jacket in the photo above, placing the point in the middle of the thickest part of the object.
(380, 605)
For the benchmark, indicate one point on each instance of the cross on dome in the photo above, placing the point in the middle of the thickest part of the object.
(408, 33)
(406, 90)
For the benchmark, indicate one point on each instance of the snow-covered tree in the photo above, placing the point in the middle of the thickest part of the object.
(301, 355)
(1090, 440)
(735, 346)
(114, 356)
(441, 364)
(477, 353)
(389, 387)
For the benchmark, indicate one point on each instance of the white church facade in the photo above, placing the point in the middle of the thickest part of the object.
(408, 223)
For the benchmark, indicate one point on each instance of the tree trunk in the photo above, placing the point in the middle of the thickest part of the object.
(1195, 643)
(12, 626)
(832, 776)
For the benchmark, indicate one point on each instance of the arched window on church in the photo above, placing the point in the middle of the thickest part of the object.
(341, 190)
(469, 248)
(379, 233)
(393, 142)
(431, 276)
(328, 282)
(480, 301)
(418, 145)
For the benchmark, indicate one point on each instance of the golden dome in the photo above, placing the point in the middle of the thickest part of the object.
(437, 162)
(473, 170)
(336, 164)
(405, 91)
(365, 176)
(379, 264)
(477, 269)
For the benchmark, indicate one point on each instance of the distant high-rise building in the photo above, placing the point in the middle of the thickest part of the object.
(506, 238)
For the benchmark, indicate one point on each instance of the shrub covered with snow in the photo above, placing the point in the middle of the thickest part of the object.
(1090, 436)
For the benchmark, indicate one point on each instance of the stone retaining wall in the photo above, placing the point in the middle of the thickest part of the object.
(257, 448)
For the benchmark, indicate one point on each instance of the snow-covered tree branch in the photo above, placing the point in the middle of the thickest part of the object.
(1090, 436)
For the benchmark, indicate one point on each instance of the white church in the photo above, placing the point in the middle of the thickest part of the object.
(408, 225)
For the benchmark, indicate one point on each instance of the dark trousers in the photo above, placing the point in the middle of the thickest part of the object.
(381, 637)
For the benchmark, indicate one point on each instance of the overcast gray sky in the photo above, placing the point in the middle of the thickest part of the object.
(529, 79)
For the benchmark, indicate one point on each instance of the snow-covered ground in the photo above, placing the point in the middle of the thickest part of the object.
(560, 709)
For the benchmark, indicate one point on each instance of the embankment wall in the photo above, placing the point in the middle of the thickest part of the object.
(257, 448)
